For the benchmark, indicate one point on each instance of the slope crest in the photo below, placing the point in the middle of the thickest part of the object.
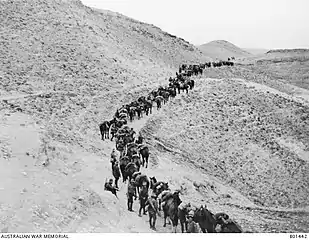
(222, 49)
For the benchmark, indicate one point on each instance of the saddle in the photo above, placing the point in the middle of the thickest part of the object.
(167, 196)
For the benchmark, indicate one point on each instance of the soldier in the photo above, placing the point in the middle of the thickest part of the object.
(113, 156)
(192, 226)
(130, 194)
(183, 209)
(152, 205)
(109, 187)
(143, 197)
(116, 172)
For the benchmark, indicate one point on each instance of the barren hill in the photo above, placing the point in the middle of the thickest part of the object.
(57, 40)
(65, 68)
(222, 49)
(241, 147)
(248, 133)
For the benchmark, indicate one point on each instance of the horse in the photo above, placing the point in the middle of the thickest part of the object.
(163, 186)
(139, 140)
(144, 153)
(158, 101)
(123, 163)
(227, 225)
(170, 210)
(143, 196)
(113, 130)
(184, 86)
(205, 219)
(104, 129)
(182, 218)
(130, 169)
(137, 161)
(230, 227)
(191, 84)
(140, 180)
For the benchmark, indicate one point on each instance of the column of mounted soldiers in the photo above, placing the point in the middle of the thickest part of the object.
(155, 195)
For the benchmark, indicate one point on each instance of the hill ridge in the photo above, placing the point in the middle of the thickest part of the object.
(222, 50)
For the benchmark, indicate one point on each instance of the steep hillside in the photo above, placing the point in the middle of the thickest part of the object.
(41, 42)
(63, 47)
(247, 132)
(64, 68)
(221, 49)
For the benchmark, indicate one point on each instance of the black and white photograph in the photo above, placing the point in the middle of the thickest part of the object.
(154, 116)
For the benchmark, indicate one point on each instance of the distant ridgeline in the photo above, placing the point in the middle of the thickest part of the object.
(296, 50)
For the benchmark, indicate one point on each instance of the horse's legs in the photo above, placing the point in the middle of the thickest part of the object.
(140, 208)
(102, 136)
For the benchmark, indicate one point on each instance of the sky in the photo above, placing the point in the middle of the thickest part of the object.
(267, 24)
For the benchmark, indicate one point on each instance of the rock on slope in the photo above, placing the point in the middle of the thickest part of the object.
(221, 49)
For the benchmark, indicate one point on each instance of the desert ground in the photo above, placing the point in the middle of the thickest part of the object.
(238, 142)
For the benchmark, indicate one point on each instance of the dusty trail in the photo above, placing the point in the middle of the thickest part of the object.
(152, 170)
